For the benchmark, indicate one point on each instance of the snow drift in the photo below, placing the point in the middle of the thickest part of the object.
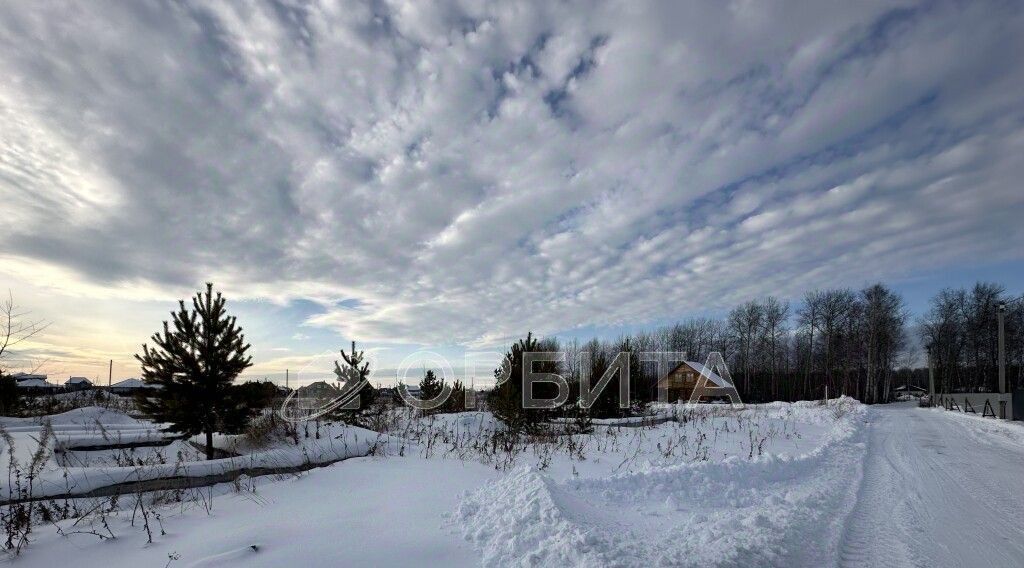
(733, 511)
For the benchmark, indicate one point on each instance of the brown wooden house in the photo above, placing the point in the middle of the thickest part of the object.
(681, 380)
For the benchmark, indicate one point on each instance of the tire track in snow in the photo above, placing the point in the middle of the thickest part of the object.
(869, 538)
(936, 490)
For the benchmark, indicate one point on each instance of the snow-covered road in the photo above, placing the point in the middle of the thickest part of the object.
(938, 489)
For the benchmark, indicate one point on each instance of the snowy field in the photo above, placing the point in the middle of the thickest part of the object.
(781, 484)
(88, 449)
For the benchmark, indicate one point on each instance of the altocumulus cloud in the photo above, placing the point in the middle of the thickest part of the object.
(464, 171)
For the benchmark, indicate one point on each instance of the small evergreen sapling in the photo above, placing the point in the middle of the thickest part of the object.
(194, 364)
(354, 374)
(430, 386)
(457, 401)
(506, 399)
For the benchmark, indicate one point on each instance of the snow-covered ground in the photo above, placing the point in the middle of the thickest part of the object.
(751, 489)
(26, 439)
(937, 488)
(774, 485)
(64, 470)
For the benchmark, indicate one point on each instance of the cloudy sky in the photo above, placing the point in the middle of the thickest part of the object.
(450, 174)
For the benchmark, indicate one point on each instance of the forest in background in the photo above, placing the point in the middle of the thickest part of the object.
(861, 343)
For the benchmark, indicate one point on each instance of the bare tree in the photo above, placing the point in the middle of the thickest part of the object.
(809, 320)
(16, 326)
(772, 339)
(942, 332)
(572, 364)
(980, 334)
(882, 327)
(835, 312)
(961, 330)
(744, 324)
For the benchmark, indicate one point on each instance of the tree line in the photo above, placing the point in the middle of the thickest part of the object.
(859, 343)
(960, 330)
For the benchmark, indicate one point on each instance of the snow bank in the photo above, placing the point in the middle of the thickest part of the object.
(737, 511)
(347, 443)
(77, 418)
(624, 421)
(93, 426)
(985, 428)
(87, 426)
(523, 519)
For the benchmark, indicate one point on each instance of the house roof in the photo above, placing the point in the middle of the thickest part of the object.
(22, 376)
(77, 380)
(316, 385)
(34, 383)
(133, 384)
(700, 369)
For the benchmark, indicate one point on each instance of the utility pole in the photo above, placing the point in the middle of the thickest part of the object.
(908, 384)
(1002, 360)
(110, 373)
(931, 378)
(286, 378)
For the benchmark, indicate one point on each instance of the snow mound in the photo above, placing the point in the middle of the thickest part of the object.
(735, 511)
(523, 520)
(85, 416)
(472, 422)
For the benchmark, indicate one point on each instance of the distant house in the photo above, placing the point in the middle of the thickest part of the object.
(319, 389)
(78, 384)
(131, 386)
(19, 377)
(681, 380)
(35, 385)
(386, 395)
(915, 391)
(313, 397)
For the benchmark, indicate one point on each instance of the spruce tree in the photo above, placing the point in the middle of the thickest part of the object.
(354, 373)
(193, 363)
(430, 388)
(607, 403)
(506, 399)
(641, 391)
(10, 397)
(457, 401)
